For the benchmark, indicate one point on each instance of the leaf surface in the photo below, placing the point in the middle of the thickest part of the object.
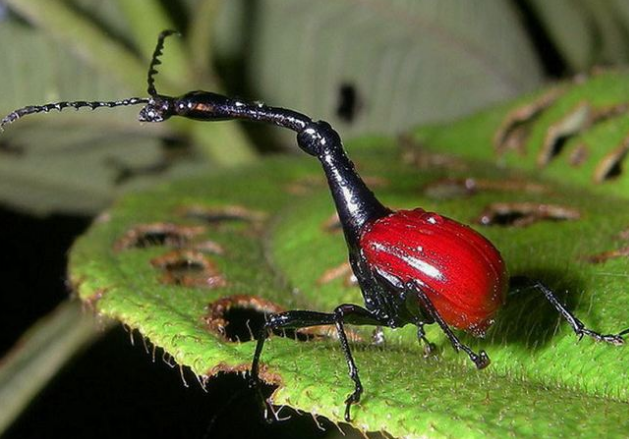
(263, 236)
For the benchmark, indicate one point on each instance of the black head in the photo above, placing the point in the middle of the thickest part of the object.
(158, 109)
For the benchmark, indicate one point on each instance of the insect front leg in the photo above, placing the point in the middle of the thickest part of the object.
(356, 315)
(351, 314)
(284, 320)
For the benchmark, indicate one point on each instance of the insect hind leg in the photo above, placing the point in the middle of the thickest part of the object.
(577, 325)
(481, 360)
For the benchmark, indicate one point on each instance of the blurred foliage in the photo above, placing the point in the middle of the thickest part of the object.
(367, 67)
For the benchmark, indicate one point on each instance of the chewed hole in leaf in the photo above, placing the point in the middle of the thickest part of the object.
(157, 234)
(189, 268)
(222, 215)
(241, 317)
(514, 130)
(558, 134)
(579, 119)
(525, 214)
(610, 165)
(459, 187)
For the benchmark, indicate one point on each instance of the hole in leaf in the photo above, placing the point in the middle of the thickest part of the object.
(349, 104)
(558, 134)
(524, 214)
(219, 216)
(610, 165)
(243, 323)
(189, 268)
(515, 129)
(157, 234)
(240, 318)
(579, 119)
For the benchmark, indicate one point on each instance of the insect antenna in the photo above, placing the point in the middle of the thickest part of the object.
(33, 109)
(155, 61)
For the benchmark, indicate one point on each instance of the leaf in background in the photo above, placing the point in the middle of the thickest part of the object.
(389, 64)
(73, 163)
(587, 32)
(578, 135)
(175, 262)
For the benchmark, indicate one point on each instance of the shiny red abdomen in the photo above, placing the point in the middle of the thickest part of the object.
(460, 270)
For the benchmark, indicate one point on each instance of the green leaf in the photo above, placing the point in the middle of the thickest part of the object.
(166, 262)
(575, 133)
(407, 62)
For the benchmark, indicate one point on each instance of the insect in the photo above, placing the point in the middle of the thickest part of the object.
(412, 266)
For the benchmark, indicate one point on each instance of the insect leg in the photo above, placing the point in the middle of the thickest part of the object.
(356, 315)
(351, 314)
(284, 320)
(576, 324)
(481, 360)
(287, 320)
(429, 347)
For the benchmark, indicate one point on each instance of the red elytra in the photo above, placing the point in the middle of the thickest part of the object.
(462, 273)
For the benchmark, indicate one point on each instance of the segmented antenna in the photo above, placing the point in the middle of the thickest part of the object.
(155, 60)
(32, 109)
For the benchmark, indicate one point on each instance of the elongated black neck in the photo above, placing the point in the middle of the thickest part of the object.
(355, 203)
